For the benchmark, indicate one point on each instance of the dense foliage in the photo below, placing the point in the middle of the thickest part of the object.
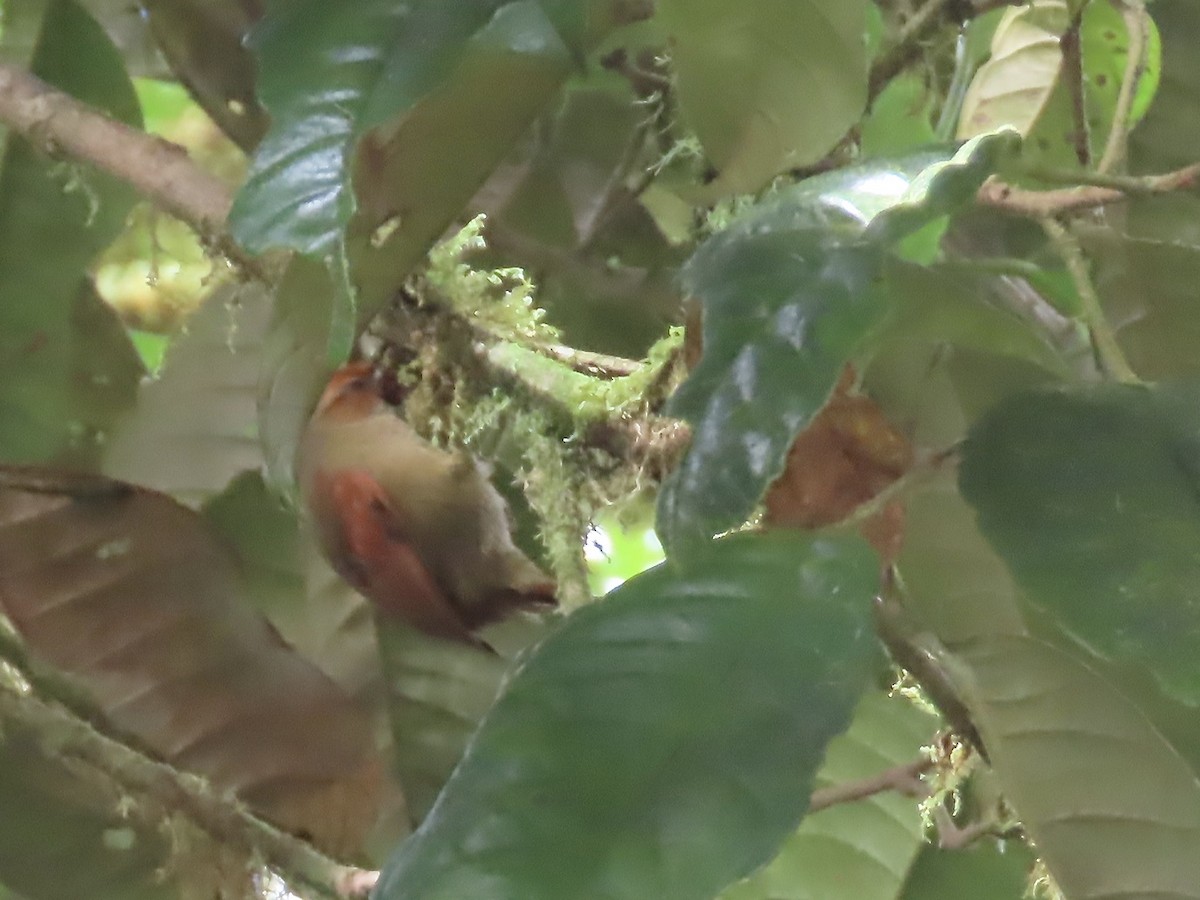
(912, 287)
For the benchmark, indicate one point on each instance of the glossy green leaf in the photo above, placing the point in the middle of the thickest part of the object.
(767, 84)
(860, 850)
(792, 291)
(368, 103)
(784, 309)
(1091, 497)
(663, 742)
(53, 220)
(1112, 808)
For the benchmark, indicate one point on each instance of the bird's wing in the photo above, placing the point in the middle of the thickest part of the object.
(383, 562)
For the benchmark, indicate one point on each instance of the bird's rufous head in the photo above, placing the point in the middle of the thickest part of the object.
(357, 390)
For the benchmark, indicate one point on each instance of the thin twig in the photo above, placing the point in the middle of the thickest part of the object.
(1097, 189)
(904, 779)
(223, 819)
(1109, 356)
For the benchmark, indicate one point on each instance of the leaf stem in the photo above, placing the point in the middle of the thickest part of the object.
(1109, 356)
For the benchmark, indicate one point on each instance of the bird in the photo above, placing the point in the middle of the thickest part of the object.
(418, 530)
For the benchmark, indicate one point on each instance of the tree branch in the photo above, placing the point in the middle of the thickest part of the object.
(904, 779)
(1095, 189)
(224, 819)
(163, 172)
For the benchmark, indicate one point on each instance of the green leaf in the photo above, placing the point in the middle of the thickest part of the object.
(66, 822)
(767, 84)
(664, 741)
(860, 850)
(983, 871)
(1111, 807)
(436, 695)
(791, 292)
(954, 582)
(367, 103)
(899, 120)
(1024, 86)
(784, 309)
(53, 221)
(1092, 499)
(950, 303)
(1167, 137)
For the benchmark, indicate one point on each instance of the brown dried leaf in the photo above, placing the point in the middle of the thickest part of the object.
(129, 592)
(844, 458)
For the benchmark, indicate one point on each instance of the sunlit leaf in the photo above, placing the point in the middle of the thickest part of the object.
(1024, 84)
(664, 741)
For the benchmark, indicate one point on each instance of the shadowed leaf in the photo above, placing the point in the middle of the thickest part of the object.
(53, 221)
(663, 742)
(195, 424)
(129, 592)
(767, 84)
(860, 850)
(1112, 808)
(1092, 498)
